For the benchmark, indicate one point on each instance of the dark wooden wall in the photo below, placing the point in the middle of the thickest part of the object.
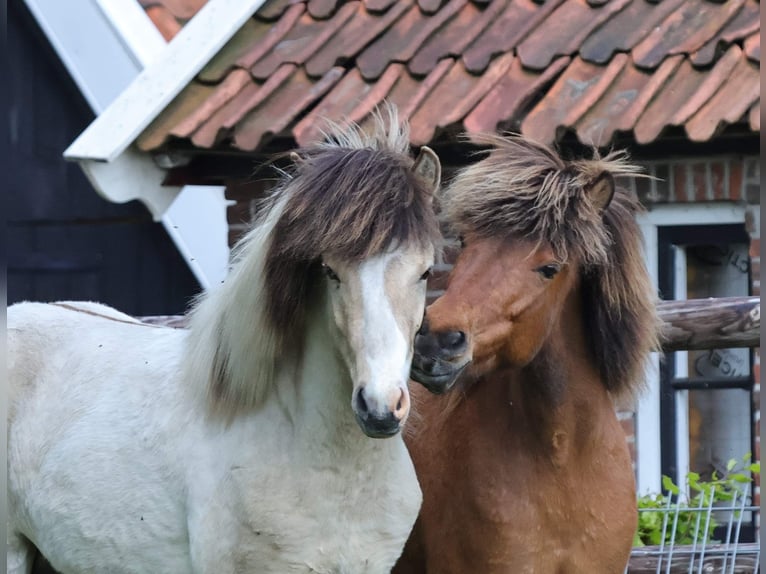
(63, 240)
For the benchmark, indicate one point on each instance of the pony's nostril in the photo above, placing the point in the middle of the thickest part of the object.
(361, 403)
(402, 406)
(453, 339)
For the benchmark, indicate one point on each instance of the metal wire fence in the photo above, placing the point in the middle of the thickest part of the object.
(730, 555)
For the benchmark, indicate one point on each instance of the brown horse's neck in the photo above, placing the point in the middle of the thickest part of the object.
(553, 402)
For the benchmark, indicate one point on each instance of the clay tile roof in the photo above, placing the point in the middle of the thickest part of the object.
(169, 16)
(595, 68)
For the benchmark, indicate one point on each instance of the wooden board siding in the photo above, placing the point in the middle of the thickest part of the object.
(63, 240)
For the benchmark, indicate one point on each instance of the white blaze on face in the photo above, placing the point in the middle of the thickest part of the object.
(386, 353)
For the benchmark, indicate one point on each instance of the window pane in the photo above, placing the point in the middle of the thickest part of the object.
(719, 429)
(718, 271)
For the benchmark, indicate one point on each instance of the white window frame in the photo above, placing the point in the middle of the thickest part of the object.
(648, 439)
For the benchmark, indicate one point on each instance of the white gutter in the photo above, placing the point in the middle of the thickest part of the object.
(128, 75)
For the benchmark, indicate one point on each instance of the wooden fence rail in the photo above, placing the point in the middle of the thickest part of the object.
(711, 323)
(686, 325)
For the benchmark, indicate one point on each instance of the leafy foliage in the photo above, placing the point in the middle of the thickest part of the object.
(692, 522)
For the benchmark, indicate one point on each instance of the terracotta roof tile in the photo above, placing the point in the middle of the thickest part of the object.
(620, 105)
(348, 41)
(378, 5)
(710, 84)
(273, 9)
(220, 124)
(453, 37)
(403, 38)
(728, 104)
(430, 6)
(337, 103)
(753, 47)
(186, 104)
(745, 22)
(655, 82)
(501, 107)
(377, 93)
(680, 88)
(281, 107)
(517, 19)
(183, 9)
(221, 95)
(625, 29)
(409, 93)
(238, 49)
(445, 96)
(628, 66)
(302, 41)
(321, 9)
(276, 32)
(164, 21)
(577, 89)
(482, 84)
(563, 32)
(685, 30)
(754, 116)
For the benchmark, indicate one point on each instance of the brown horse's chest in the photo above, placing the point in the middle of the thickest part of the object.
(497, 494)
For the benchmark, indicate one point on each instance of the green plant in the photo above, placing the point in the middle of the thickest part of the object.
(692, 523)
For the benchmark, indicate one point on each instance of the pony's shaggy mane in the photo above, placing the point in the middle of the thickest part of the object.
(353, 196)
(525, 189)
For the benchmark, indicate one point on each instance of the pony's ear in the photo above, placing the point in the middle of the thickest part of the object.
(601, 190)
(428, 168)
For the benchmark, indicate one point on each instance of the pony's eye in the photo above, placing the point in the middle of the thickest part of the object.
(549, 271)
(427, 274)
(461, 240)
(330, 273)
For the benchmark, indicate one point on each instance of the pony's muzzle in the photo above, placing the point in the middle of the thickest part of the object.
(381, 418)
(439, 358)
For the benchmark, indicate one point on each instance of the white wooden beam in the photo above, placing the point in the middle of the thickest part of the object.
(156, 86)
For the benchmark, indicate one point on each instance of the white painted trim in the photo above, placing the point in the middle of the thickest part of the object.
(205, 250)
(135, 29)
(84, 55)
(693, 214)
(648, 439)
(130, 176)
(681, 371)
(154, 88)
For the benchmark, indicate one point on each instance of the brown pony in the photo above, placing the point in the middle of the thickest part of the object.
(548, 317)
